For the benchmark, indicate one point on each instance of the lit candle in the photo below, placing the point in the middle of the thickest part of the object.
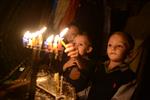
(37, 39)
(48, 43)
(55, 45)
(56, 39)
(40, 40)
(27, 39)
(34, 39)
(29, 44)
(63, 43)
(62, 34)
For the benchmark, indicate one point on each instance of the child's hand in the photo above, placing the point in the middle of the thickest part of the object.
(69, 63)
(72, 50)
(80, 63)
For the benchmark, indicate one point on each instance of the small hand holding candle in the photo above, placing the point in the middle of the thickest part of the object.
(71, 50)
(63, 43)
(62, 34)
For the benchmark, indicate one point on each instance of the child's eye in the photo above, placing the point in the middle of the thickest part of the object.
(109, 45)
(74, 43)
(120, 46)
(80, 44)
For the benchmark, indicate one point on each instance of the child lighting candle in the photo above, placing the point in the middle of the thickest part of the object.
(63, 43)
(62, 34)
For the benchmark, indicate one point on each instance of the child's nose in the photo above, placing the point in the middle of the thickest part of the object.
(76, 45)
(113, 48)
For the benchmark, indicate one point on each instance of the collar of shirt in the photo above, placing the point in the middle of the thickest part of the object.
(122, 67)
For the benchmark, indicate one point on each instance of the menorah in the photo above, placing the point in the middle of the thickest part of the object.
(45, 84)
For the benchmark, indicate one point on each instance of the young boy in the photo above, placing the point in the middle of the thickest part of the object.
(77, 69)
(111, 74)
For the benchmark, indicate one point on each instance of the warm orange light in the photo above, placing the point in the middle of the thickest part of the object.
(49, 41)
(63, 32)
(34, 39)
(63, 43)
(55, 43)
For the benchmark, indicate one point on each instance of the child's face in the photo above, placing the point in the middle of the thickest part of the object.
(117, 48)
(82, 44)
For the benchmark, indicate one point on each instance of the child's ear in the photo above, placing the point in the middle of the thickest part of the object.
(89, 49)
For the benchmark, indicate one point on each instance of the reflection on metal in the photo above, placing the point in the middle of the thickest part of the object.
(48, 86)
(52, 87)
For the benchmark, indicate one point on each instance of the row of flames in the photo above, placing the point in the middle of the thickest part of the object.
(35, 41)
(52, 43)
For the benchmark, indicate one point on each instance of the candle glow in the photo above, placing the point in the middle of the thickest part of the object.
(49, 41)
(55, 43)
(34, 39)
(62, 34)
(63, 43)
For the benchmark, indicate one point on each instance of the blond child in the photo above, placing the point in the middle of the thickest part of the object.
(78, 68)
(114, 72)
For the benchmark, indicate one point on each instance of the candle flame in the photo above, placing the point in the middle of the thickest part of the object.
(63, 32)
(49, 40)
(63, 43)
(27, 36)
(37, 33)
(56, 39)
(35, 38)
